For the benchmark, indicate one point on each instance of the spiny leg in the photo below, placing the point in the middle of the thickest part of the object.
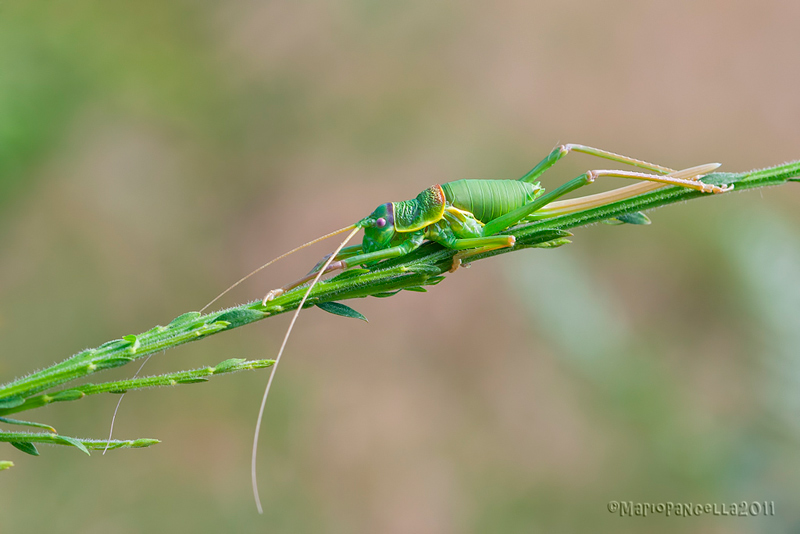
(414, 241)
(562, 150)
(334, 265)
(345, 253)
(513, 217)
(586, 178)
(563, 207)
(477, 245)
(665, 180)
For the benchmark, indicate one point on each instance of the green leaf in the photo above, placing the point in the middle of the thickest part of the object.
(11, 402)
(636, 217)
(111, 363)
(421, 268)
(141, 442)
(133, 340)
(349, 273)
(230, 363)
(543, 236)
(5, 464)
(155, 330)
(27, 423)
(240, 317)
(191, 380)
(418, 289)
(555, 243)
(385, 294)
(337, 308)
(74, 442)
(721, 178)
(186, 318)
(67, 395)
(114, 343)
(102, 444)
(26, 447)
(215, 327)
(84, 354)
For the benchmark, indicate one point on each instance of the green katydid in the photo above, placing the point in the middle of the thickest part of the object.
(468, 216)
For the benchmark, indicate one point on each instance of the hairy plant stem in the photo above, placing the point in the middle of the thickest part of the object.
(87, 444)
(425, 266)
(122, 386)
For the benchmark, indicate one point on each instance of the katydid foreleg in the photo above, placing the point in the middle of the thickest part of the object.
(412, 241)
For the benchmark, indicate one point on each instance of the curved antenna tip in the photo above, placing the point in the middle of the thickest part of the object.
(355, 228)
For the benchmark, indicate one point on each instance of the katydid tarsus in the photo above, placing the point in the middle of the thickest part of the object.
(469, 216)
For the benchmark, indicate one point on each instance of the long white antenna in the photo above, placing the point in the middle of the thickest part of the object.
(275, 367)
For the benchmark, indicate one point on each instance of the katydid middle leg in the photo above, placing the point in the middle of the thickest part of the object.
(413, 241)
(513, 217)
(471, 245)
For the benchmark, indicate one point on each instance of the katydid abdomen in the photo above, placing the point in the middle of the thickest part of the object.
(489, 199)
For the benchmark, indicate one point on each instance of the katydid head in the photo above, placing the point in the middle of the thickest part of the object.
(378, 228)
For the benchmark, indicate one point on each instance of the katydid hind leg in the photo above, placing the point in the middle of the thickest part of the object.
(671, 179)
(563, 207)
(562, 150)
(685, 178)
(619, 158)
(513, 217)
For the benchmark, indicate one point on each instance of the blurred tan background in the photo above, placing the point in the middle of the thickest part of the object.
(151, 153)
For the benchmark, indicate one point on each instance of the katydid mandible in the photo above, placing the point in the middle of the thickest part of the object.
(468, 216)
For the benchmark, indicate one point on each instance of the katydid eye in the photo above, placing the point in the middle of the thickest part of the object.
(380, 223)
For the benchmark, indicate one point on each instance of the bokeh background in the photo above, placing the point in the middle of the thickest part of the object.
(152, 152)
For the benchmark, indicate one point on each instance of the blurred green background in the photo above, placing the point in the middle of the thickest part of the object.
(151, 153)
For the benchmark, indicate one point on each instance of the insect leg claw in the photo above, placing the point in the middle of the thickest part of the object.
(716, 189)
(272, 294)
(723, 189)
